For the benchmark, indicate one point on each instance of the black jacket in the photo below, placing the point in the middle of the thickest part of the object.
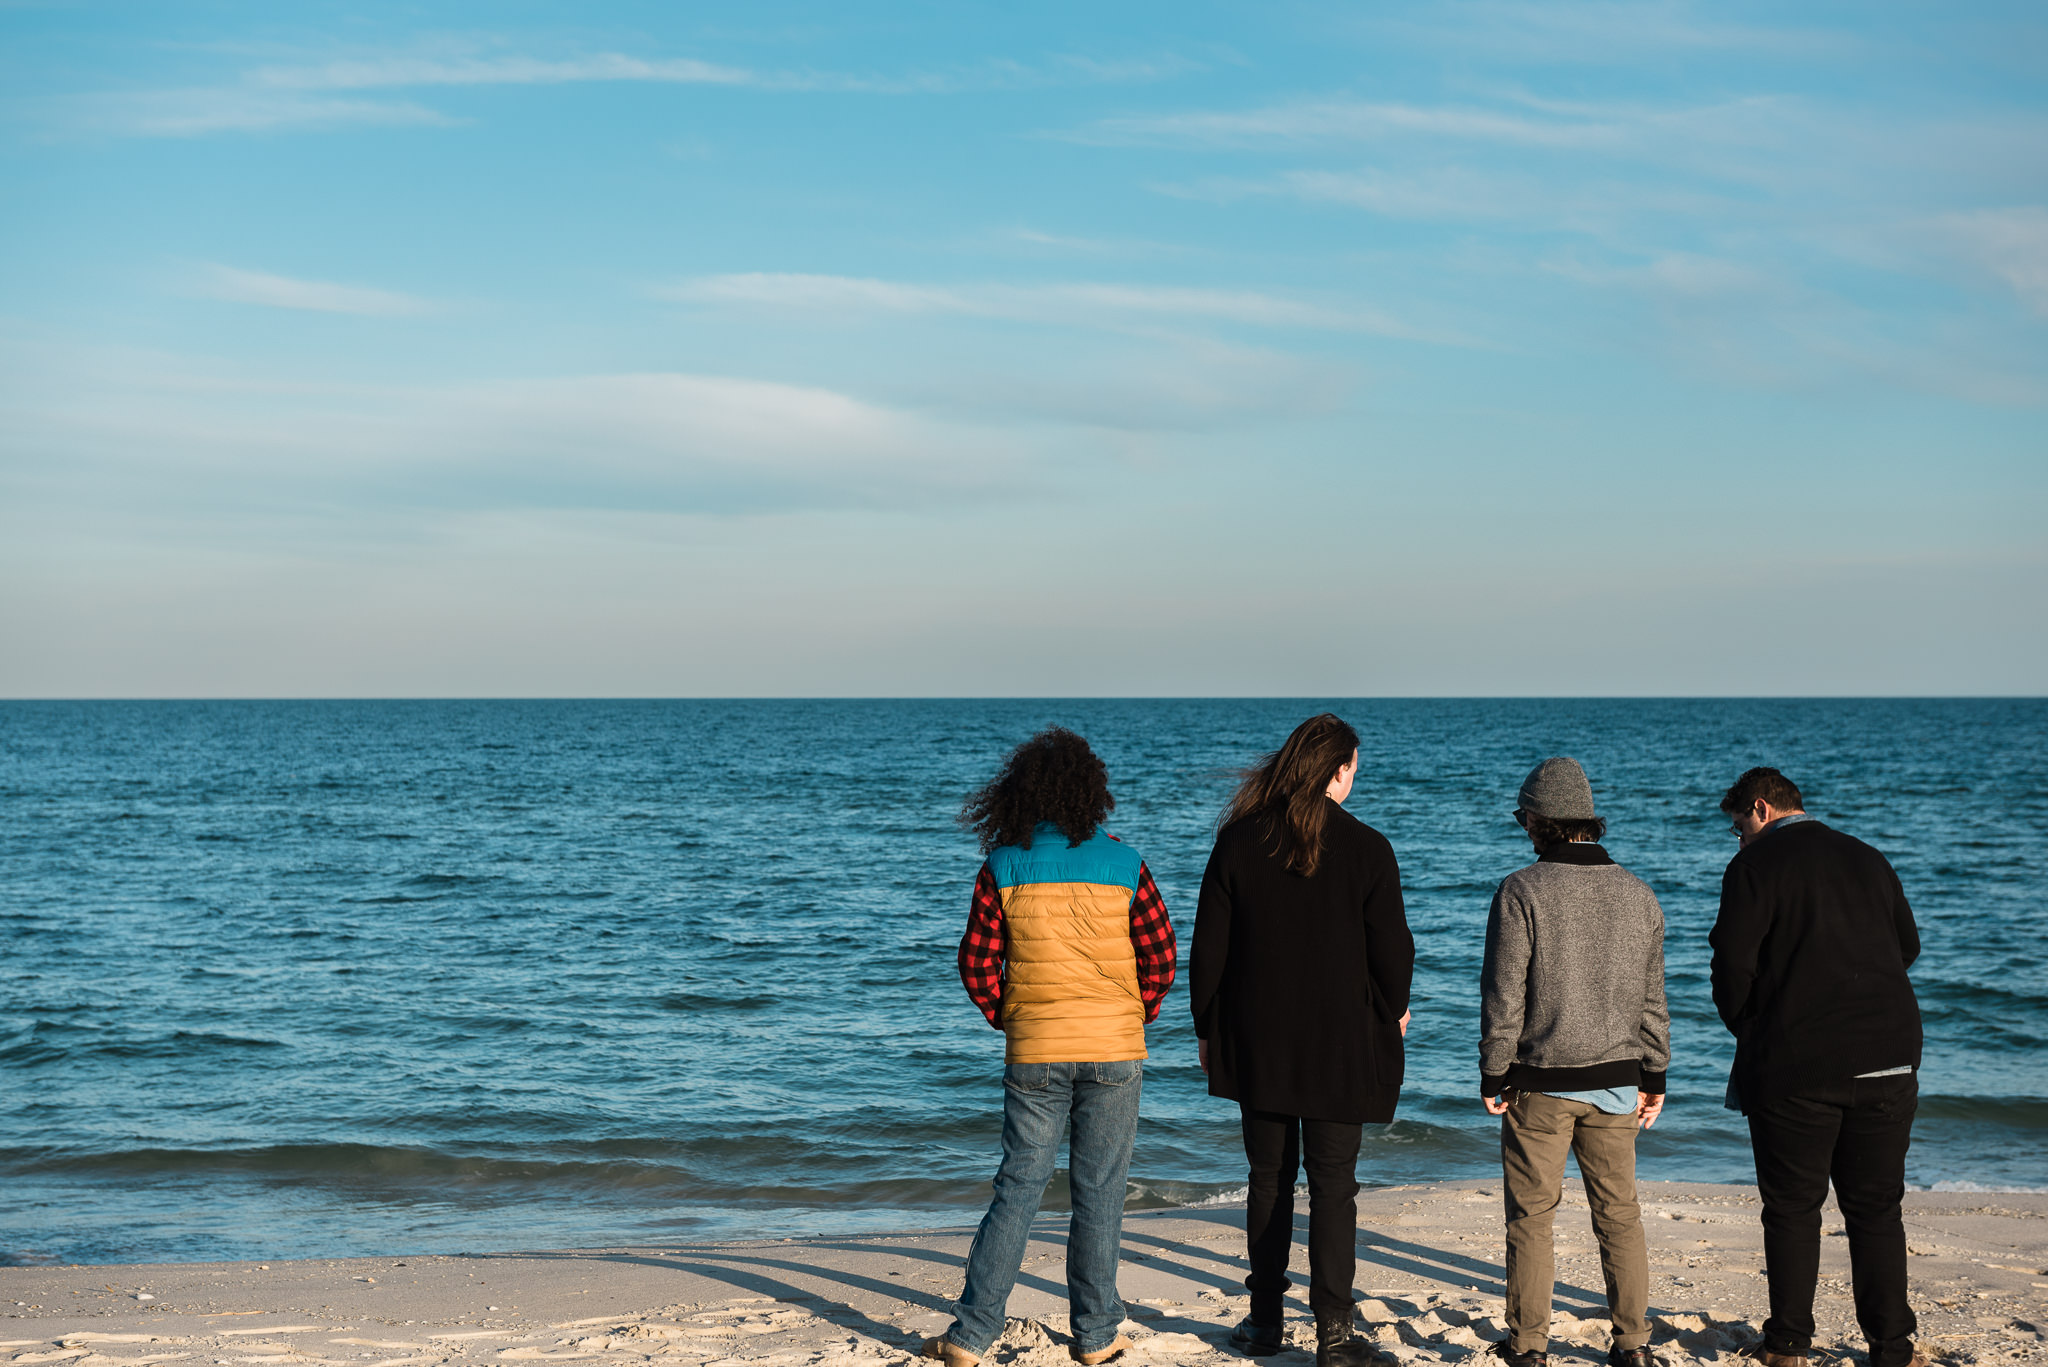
(1810, 956)
(1299, 983)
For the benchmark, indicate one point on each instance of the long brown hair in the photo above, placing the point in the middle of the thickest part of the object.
(1287, 789)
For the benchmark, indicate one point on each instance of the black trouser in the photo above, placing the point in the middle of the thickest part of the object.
(1855, 1133)
(1275, 1145)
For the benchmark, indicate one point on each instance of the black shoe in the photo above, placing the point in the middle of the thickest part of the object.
(1338, 1344)
(1256, 1340)
(1630, 1357)
(1535, 1357)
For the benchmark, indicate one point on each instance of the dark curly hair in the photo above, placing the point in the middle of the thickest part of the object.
(1548, 832)
(1053, 777)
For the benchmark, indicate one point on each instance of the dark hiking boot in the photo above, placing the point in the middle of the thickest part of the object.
(1535, 1357)
(1630, 1357)
(1338, 1343)
(1257, 1340)
(1769, 1358)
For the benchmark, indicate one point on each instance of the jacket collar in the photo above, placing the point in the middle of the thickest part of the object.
(1574, 852)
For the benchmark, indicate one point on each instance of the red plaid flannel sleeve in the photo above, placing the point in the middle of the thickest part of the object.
(1152, 938)
(981, 948)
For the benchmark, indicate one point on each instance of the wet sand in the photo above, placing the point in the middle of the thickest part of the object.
(1428, 1275)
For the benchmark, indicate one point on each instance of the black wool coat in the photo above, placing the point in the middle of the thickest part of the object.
(1299, 984)
(1810, 956)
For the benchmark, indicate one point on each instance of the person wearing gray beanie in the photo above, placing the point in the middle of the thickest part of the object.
(1575, 1038)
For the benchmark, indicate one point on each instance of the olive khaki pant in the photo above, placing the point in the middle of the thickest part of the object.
(1535, 1135)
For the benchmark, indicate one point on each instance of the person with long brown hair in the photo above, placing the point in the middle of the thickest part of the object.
(1299, 984)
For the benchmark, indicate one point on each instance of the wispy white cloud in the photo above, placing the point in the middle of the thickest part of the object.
(1069, 304)
(1770, 330)
(679, 441)
(1193, 386)
(2011, 244)
(398, 71)
(1038, 241)
(1675, 275)
(302, 95)
(1351, 120)
(1597, 32)
(313, 296)
(199, 111)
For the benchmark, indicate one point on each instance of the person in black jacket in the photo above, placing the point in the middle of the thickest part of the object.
(1299, 978)
(1810, 956)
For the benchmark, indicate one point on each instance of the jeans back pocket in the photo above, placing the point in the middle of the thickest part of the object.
(1027, 1077)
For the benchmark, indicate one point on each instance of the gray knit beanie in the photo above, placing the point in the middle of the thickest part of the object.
(1557, 788)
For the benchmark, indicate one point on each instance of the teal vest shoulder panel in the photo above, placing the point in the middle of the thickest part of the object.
(1098, 860)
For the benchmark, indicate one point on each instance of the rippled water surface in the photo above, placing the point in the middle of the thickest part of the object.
(328, 978)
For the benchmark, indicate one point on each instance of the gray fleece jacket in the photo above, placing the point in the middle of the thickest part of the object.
(1572, 994)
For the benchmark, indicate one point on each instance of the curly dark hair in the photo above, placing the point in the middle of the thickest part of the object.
(1053, 777)
(1547, 832)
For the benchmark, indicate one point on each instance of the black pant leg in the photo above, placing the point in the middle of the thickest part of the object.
(1870, 1184)
(1793, 1139)
(1272, 1148)
(1330, 1152)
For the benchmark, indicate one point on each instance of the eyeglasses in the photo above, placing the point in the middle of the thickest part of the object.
(1521, 818)
(1735, 829)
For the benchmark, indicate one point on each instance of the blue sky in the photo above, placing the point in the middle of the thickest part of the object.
(649, 349)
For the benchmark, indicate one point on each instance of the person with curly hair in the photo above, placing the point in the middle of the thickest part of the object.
(1069, 953)
(1299, 983)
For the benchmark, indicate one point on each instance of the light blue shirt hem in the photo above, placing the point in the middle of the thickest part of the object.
(1612, 1100)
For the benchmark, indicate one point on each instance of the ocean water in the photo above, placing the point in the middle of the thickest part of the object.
(321, 978)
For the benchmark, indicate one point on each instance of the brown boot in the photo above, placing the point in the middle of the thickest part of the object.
(1770, 1359)
(946, 1351)
(1119, 1344)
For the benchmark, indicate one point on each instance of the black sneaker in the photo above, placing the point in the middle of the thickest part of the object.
(1630, 1357)
(1535, 1357)
(1256, 1340)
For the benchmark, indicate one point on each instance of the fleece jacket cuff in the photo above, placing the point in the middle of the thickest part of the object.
(1492, 1084)
(1652, 1083)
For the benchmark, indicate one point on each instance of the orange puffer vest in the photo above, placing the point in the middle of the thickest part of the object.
(1070, 979)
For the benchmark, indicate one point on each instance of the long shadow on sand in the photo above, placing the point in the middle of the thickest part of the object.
(755, 1282)
(1374, 1250)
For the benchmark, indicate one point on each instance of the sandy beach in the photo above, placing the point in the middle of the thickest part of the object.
(1429, 1278)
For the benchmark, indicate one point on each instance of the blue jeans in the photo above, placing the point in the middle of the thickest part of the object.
(1102, 1098)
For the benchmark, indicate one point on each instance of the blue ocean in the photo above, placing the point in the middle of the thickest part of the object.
(323, 978)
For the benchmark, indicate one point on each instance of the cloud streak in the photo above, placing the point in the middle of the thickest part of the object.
(1088, 305)
(168, 431)
(311, 296)
(311, 95)
(1351, 121)
(400, 71)
(199, 111)
(2011, 244)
